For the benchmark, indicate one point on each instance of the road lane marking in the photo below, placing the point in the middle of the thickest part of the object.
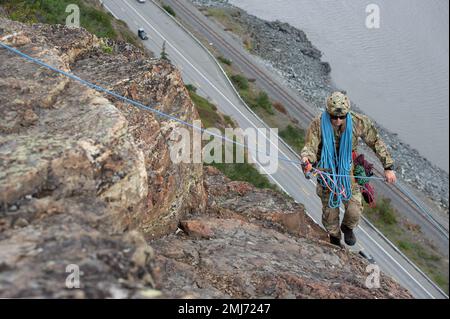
(209, 82)
(245, 117)
(114, 15)
(401, 267)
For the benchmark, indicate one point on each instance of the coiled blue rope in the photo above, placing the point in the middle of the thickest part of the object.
(338, 164)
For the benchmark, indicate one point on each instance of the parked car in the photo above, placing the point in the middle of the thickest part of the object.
(141, 1)
(142, 34)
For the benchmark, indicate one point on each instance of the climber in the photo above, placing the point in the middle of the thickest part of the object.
(331, 154)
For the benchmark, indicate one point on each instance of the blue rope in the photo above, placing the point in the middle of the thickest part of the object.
(355, 176)
(137, 104)
(342, 173)
(339, 164)
(132, 102)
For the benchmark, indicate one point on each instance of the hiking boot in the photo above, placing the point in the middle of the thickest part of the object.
(335, 241)
(349, 236)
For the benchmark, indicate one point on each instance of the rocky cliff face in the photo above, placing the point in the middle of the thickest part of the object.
(86, 180)
(254, 243)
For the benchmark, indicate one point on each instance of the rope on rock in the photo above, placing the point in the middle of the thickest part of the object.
(343, 173)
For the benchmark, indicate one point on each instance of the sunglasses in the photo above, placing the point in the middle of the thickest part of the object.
(335, 117)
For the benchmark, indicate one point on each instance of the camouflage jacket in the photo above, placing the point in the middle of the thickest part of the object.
(362, 127)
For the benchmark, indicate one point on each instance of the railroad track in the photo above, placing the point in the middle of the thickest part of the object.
(294, 103)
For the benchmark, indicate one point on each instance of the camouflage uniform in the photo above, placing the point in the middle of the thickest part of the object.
(362, 127)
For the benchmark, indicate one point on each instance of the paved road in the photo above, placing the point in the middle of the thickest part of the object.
(299, 109)
(199, 68)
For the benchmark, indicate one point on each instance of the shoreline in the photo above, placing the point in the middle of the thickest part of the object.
(287, 51)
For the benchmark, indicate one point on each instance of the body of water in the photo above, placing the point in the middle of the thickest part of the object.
(398, 74)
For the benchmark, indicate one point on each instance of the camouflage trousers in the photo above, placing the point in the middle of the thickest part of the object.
(330, 216)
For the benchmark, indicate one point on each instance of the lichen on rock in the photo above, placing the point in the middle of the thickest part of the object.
(86, 182)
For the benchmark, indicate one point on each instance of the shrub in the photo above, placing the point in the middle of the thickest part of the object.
(191, 88)
(107, 49)
(386, 211)
(240, 81)
(224, 60)
(294, 136)
(169, 10)
(263, 101)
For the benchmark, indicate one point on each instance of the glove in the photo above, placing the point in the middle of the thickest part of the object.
(306, 166)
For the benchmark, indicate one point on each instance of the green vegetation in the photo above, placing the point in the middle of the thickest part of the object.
(107, 49)
(418, 250)
(54, 12)
(224, 60)
(257, 100)
(169, 10)
(235, 171)
(262, 101)
(191, 88)
(383, 212)
(253, 98)
(273, 114)
(228, 121)
(240, 81)
(207, 111)
(225, 17)
(92, 17)
(244, 172)
(248, 44)
(400, 232)
(217, 13)
(294, 136)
